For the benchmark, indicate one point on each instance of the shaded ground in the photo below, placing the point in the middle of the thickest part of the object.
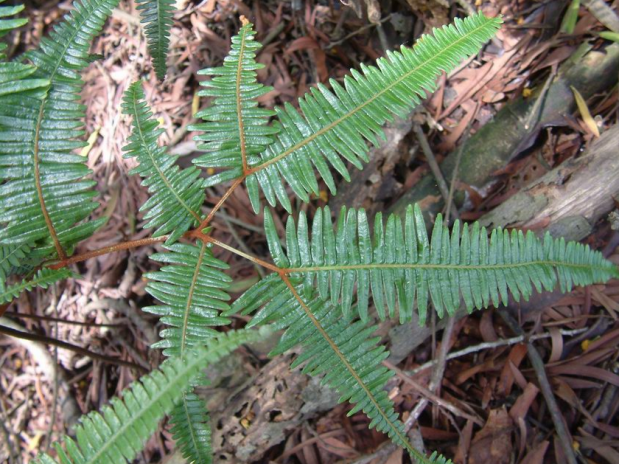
(498, 413)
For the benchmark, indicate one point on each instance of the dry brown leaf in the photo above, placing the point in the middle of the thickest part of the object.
(493, 444)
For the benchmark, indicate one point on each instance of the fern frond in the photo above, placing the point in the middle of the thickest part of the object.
(44, 197)
(193, 292)
(335, 124)
(235, 128)
(43, 278)
(12, 257)
(157, 20)
(192, 289)
(344, 352)
(176, 194)
(400, 264)
(191, 429)
(118, 433)
(8, 24)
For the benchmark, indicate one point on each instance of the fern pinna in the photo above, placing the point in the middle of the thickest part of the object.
(319, 292)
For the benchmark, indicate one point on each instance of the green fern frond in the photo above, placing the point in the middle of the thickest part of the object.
(193, 292)
(344, 352)
(176, 194)
(335, 125)
(400, 264)
(43, 278)
(7, 25)
(43, 194)
(191, 429)
(11, 258)
(235, 128)
(157, 20)
(118, 433)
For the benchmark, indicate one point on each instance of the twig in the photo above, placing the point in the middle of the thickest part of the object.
(358, 31)
(431, 396)
(492, 345)
(539, 368)
(432, 162)
(58, 320)
(68, 346)
(50, 430)
(437, 373)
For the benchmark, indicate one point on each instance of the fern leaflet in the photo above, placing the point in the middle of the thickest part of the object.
(176, 194)
(43, 193)
(43, 278)
(235, 128)
(157, 17)
(336, 124)
(400, 264)
(192, 290)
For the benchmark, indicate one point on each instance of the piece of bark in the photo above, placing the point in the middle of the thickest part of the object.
(569, 198)
(502, 139)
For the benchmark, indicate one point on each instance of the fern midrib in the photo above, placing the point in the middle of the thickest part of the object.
(39, 188)
(161, 174)
(190, 296)
(244, 159)
(48, 220)
(352, 371)
(329, 127)
(452, 267)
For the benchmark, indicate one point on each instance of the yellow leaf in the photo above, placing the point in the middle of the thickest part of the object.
(527, 92)
(585, 112)
(90, 143)
(195, 104)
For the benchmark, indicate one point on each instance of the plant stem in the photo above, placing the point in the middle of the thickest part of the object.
(254, 259)
(109, 249)
(218, 205)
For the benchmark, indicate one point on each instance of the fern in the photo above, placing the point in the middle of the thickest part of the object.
(235, 128)
(192, 290)
(118, 433)
(9, 24)
(176, 194)
(43, 278)
(402, 265)
(44, 199)
(336, 124)
(43, 193)
(157, 18)
(191, 430)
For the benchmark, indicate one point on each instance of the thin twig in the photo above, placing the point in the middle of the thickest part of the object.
(58, 320)
(432, 162)
(490, 346)
(539, 368)
(429, 395)
(437, 373)
(68, 346)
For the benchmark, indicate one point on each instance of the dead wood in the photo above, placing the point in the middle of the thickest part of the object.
(502, 139)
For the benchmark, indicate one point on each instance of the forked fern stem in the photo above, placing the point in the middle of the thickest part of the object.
(197, 233)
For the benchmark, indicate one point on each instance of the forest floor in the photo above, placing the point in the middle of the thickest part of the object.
(489, 407)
